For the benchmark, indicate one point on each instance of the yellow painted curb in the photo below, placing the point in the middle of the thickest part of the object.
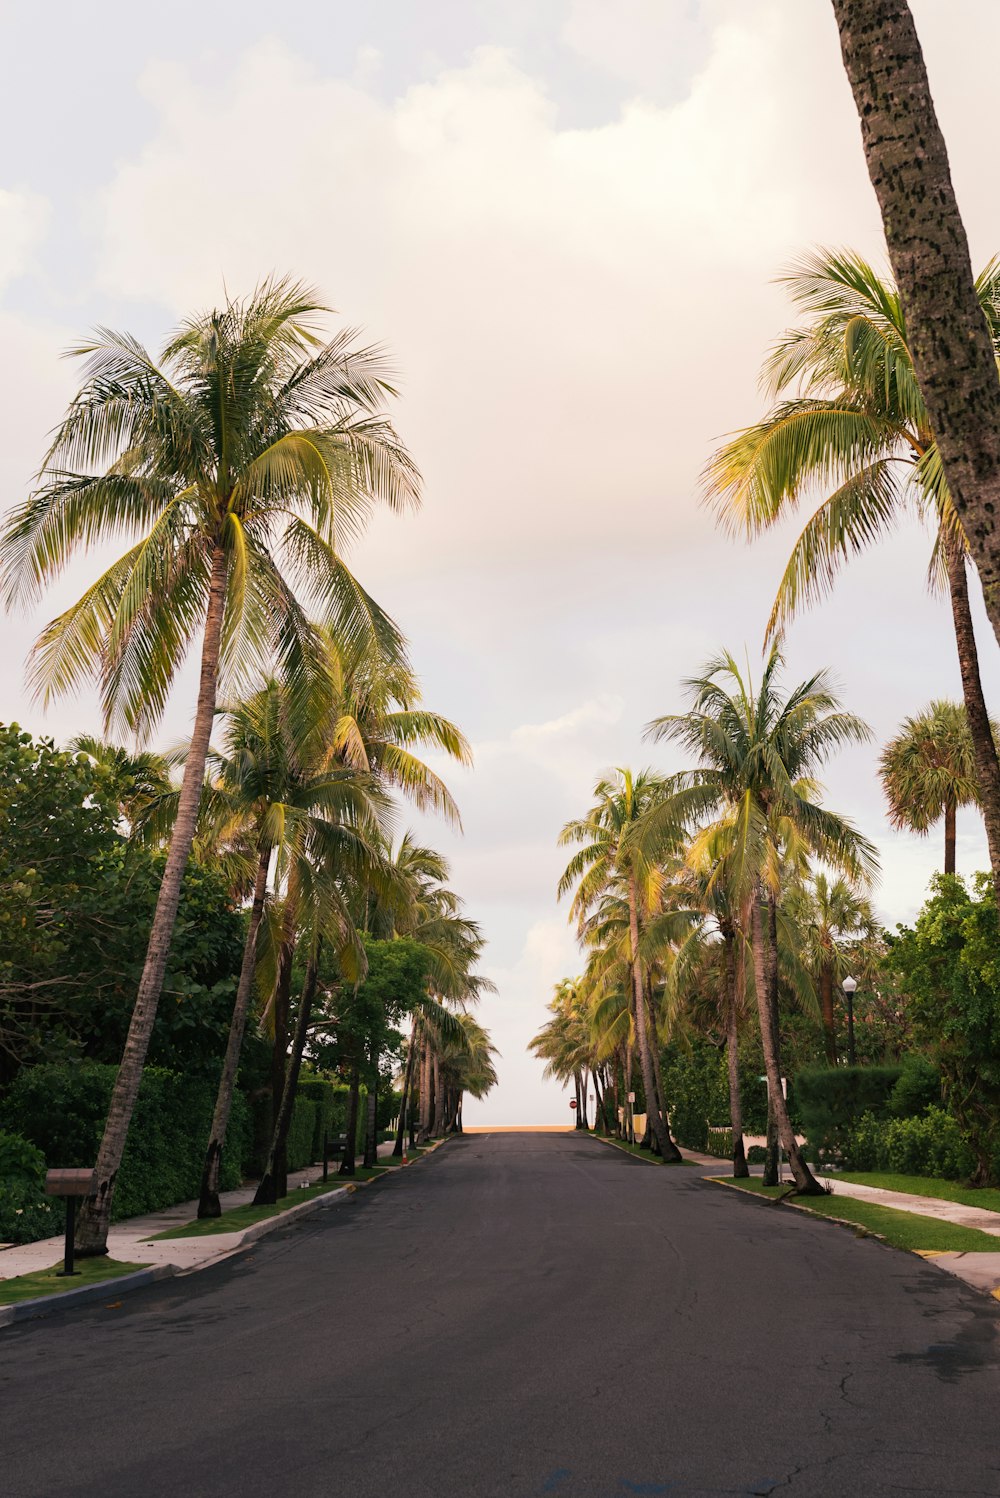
(996, 1293)
(935, 1253)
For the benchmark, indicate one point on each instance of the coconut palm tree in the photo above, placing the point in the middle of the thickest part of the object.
(139, 780)
(240, 461)
(848, 416)
(928, 771)
(831, 916)
(606, 857)
(758, 751)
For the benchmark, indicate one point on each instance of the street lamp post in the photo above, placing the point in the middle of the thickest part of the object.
(850, 987)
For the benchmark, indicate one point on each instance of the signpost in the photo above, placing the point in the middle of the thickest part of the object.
(572, 1102)
(69, 1184)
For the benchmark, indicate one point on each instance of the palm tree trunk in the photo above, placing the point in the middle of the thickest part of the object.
(600, 1122)
(371, 1122)
(767, 1007)
(826, 1004)
(661, 1096)
(438, 1100)
(984, 749)
(667, 1147)
(425, 1092)
(267, 1191)
(95, 1216)
(952, 351)
(740, 1168)
(404, 1100)
(281, 1001)
(950, 832)
(347, 1163)
(208, 1205)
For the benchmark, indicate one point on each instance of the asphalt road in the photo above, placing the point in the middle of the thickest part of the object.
(521, 1315)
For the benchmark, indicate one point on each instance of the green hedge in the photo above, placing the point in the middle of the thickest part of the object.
(61, 1110)
(931, 1145)
(697, 1090)
(26, 1213)
(331, 1109)
(831, 1100)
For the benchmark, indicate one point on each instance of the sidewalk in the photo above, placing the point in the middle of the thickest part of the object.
(128, 1240)
(981, 1270)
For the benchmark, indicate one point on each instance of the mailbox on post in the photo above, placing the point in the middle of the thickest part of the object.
(69, 1184)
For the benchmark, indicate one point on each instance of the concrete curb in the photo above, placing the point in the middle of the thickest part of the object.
(27, 1310)
(649, 1159)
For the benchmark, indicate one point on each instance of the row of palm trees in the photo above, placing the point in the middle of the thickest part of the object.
(685, 885)
(235, 469)
(684, 891)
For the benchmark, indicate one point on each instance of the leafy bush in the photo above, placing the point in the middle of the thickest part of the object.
(697, 1091)
(931, 1145)
(918, 1088)
(302, 1133)
(331, 1109)
(26, 1213)
(61, 1109)
(831, 1100)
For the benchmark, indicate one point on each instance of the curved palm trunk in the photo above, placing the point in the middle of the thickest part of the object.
(267, 1191)
(952, 351)
(95, 1215)
(984, 749)
(766, 987)
(425, 1092)
(667, 1147)
(654, 1046)
(740, 1168)
(208, 1205)
(404, 1100)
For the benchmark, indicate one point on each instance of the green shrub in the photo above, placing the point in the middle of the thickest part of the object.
(831, 1100)
(697, 1090)
(931, 1145)
(331, 1109)
(26, 1213)
(918, 1088)
(61, 1110)
(719, 1142)
(301, 1133)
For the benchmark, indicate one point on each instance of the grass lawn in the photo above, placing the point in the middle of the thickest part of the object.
(46, 1281)
(238, 1218)
(907, 1230)
(634, 1149)
(985, 1197)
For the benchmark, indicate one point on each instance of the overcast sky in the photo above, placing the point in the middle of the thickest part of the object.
(565, 221)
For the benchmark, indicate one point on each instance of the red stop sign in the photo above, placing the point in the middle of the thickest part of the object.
(572, 1102)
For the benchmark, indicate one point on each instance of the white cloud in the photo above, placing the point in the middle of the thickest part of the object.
(23, 220)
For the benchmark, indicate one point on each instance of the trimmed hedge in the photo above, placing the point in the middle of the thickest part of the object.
(330, 1099)
(931, 1145)
(697, 1089)
(831, 1100)
(61, 1110)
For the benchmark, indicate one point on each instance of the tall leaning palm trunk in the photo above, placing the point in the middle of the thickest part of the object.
(665, 1145)
(95, 1216)
(209, 1205)
(733, 1052)
(953, 354)
(765, 966)
(267, 1191)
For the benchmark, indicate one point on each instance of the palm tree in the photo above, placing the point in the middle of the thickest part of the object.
(606, 857)
(928, 771)
(566, 1042)
(758, 752)
(857, 426)
(955, 359)
(138, 780)
(831, 917)
(240, 461)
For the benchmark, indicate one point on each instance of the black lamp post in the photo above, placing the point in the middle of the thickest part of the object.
(850, 986)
